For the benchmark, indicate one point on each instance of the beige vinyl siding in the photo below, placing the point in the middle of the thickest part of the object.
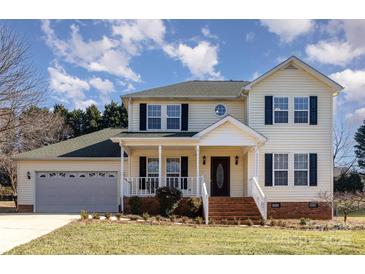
(26, 188)
(227, 134)
(238, 184)
(201, 113)
(294, 138)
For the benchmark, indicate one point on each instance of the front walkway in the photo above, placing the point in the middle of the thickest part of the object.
(17, 229)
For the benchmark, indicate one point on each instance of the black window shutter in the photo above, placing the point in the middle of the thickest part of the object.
(142, 116)
(142, 172)
(268, 110)
(184, 172)
(184, 117)
(268, 169)
(313, 169)
(313, 110)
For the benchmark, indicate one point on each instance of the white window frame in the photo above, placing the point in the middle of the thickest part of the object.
(167, 117)
(273, 110)
(294, 169)
(294, 110)
(147, 171)
(148, 124)
(173, 172)
(273, 169)
(226, 108)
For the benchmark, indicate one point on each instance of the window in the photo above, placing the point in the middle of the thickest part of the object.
(152, 167)
(173, 167)
(301, 169)
(154, 116)
(173, 172)
(280, 110)
(173, 116)
(280, 169)
(301, 110)
(220, 110)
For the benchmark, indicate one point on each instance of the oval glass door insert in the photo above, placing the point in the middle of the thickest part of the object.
(220, 175)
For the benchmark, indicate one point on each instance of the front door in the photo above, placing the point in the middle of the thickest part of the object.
(219, 176)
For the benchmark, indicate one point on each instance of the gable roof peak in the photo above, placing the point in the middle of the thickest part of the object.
(335, 87)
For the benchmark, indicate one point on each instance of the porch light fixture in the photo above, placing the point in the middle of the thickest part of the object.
(204, 158)
(236, 160)
(28, 175)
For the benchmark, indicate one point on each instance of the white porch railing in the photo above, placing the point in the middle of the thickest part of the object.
(259, 197)
(205, 200)
(147, 186)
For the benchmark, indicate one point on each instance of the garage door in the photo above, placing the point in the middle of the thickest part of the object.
(75, 191)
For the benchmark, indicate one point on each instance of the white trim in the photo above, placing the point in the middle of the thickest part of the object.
(308, 109)
(240, 125)
(336, 88)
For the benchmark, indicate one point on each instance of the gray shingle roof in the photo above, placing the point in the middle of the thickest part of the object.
(96, 144)
(194, 89)
(156, 134)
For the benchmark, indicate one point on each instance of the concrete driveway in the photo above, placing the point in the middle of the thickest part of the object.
(16, 229)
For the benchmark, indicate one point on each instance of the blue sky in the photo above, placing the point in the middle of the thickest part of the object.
(95, 61)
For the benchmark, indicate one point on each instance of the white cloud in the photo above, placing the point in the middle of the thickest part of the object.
(341, 51)
(206, 32)
(335, 53)
(104, 55)
(353, 82)
(201, 60)
(250, 36)
(288, 29)
(105, 87)
(135, 33)
(70, 87)
(356, 117)
(255, 75)
(113, 53)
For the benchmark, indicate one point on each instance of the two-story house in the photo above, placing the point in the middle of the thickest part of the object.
(248, 149)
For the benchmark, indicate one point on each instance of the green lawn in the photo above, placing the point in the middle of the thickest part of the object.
(116, 238)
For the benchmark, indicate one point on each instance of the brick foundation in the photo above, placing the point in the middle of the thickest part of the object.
(24, 208)
(297, 210)
(152, 206)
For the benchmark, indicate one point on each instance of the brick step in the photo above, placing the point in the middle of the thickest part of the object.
(243, 219)
(232, 212)
(233, 199)
(232, 208)
(241, 216)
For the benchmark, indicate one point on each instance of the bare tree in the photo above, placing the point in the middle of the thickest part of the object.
(346, 202)
(20, 86)
(343, 144)
(38, 127)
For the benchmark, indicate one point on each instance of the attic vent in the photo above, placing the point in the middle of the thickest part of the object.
(290, 66)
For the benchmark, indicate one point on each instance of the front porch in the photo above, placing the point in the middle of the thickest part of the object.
(220, 161)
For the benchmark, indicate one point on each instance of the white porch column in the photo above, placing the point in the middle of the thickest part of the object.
(121, 176)
(197, 169)
(257, 162)
(160, 164)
